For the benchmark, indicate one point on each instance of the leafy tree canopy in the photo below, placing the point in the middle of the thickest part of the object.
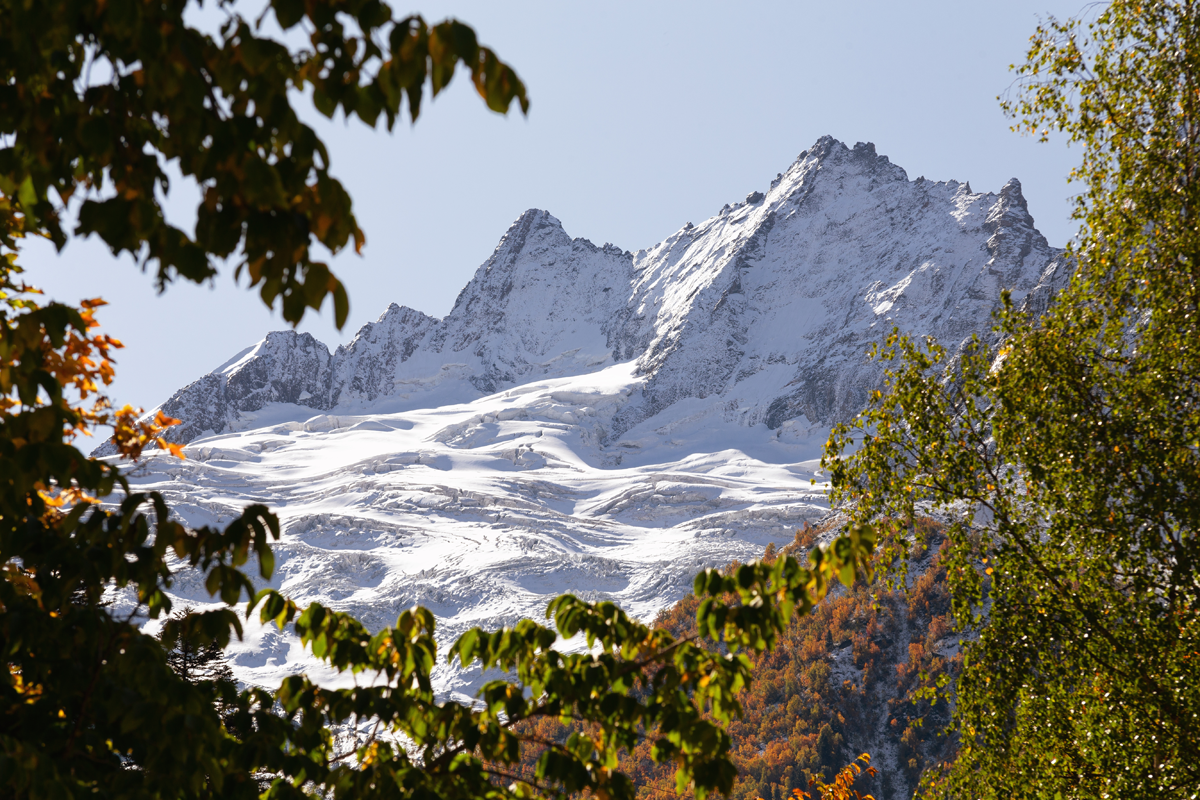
(95, 98)
(98, 96)
(1068, 457)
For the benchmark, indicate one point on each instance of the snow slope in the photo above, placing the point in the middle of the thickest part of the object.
(588, 419)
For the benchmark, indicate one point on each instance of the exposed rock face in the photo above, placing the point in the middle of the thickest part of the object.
(366, 368)
(285, 367)
(543, 304)
(766, 309)
(785, 294)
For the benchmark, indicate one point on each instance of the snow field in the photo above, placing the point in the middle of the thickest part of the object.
(484, 511)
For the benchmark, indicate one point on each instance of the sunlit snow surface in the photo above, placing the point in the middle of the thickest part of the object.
(484, 511)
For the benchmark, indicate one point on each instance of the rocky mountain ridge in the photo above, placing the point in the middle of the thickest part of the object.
(764, 310)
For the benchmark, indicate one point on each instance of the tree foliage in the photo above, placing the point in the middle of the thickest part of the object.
(863, 657)
(96, 97)
(191, 661)
(1069, 456)
(842, 786)
(106, 93)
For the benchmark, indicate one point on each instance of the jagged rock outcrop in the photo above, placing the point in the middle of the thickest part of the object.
(285, 367)
(765, 310)
(543, 304)
(365, 369)
(773, 303)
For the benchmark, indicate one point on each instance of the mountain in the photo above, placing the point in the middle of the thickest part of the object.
(589, 419)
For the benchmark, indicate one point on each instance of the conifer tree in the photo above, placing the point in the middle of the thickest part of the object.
(191, 660)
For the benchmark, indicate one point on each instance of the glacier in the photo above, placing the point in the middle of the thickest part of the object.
(587, 419)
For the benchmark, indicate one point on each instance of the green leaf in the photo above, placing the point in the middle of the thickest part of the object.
(27, 194)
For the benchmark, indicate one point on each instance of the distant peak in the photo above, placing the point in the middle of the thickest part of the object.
(827, 146)
(828, 152)
(1011, 192)
(533, 220)
(289, 336)
(536, 218)
(822, 148)
(402, 313)
(533, 226)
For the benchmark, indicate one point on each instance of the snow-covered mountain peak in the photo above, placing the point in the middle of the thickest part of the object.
(534, 230)
(769, 305)
(543, 304)
(772, 303)
(591, 419)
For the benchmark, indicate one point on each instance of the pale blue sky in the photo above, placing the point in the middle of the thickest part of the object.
(644, 116)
